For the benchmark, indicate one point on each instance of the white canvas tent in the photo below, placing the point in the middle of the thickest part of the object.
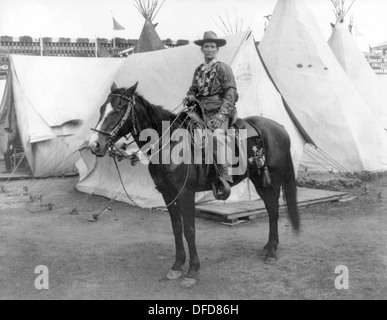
(52, 99)
(319, 92)
(359, 71)
(165, 85)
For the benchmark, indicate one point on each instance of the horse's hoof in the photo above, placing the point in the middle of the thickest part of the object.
(173, 275)
(188, 282)
(270, 260)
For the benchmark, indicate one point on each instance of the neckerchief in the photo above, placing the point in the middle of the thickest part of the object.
(205, 76)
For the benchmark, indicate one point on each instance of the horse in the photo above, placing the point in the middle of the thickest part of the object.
(127, 112)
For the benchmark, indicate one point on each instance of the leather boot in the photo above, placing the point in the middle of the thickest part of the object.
(223, 171)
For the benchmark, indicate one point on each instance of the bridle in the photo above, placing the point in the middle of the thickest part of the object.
(129, 111)
(112, 135)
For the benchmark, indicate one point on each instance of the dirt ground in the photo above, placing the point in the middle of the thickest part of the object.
(128, 251)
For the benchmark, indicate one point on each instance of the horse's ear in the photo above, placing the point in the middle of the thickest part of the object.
(131, 90)
(113, 87)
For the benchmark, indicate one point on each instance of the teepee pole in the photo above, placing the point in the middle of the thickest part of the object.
(154, 16)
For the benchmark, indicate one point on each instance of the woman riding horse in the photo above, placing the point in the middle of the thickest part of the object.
(126, 112)
(215, 87)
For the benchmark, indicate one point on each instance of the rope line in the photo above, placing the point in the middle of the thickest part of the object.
(312, 157)
(331, 159)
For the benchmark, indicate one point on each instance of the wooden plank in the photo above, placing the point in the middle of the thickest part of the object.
(263, 212)
(212, 216)
(231, 212)
(257, 214)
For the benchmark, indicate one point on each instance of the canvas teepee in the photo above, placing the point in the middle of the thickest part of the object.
(318, 91)
(358, 70)
(149, 39)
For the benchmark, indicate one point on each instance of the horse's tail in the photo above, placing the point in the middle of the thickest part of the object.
(290, 193)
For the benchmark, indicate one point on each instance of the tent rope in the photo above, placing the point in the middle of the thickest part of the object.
(309, 154)
(33, 182)
(14, 170)
(329, 158)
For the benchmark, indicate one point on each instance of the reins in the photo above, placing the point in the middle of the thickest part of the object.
(112, 135)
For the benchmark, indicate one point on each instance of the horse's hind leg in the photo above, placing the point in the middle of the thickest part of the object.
(270, 197)
(176, 271)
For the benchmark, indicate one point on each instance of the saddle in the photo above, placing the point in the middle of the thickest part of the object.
(240, 124)
(255, 152)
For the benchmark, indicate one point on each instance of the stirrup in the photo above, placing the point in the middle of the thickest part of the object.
(221, 189)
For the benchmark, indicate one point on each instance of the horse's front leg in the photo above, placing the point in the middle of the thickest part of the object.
(176, 270)
(186, 204)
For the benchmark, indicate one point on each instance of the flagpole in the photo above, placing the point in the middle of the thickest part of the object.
(116, 26)
(114, 40)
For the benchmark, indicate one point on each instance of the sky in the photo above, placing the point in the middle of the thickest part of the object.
(177, 19)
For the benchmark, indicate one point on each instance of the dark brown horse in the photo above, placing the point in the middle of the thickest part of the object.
(126, 112)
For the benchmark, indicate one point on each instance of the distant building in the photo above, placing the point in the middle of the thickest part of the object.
(380, 50)
(66, 47)
(63, 47)
(378, 58)
(4, 63)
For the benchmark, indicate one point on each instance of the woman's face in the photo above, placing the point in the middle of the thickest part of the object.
(210, 50)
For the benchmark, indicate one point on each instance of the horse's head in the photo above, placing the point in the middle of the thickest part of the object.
(113, 120)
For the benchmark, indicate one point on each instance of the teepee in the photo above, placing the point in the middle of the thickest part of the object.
(319, 93)
(149, 39)
(358, 69)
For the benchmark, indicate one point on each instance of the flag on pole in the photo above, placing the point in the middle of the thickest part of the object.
(116, 25)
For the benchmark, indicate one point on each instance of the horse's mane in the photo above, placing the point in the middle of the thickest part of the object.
(157, 114)
(155, 111)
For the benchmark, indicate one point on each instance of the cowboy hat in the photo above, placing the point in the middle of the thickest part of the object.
(210, 36)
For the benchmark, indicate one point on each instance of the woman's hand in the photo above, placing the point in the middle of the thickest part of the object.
(218, 120)
(188, 99)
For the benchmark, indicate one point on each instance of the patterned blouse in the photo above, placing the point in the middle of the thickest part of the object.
(214, 80)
